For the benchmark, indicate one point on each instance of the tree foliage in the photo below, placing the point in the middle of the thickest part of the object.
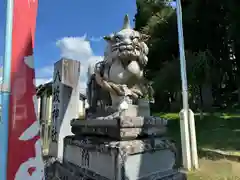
(212, 46)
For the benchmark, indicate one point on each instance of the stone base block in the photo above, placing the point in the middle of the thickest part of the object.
(148, 159)
(73, 172)
(121, 127)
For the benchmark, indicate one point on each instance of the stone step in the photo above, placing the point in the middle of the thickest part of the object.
(121, 122)
(119, 133)
(73, 172)
(120, 128)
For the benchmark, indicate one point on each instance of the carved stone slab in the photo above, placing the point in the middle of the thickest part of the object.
(121, 127)
(122, 122)
(67, 173)
(117, 160)
(119, 134)
(70, 171)
(65, 102)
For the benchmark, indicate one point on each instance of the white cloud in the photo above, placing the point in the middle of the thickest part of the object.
(42, 81)
(44, 75)
(76, 48)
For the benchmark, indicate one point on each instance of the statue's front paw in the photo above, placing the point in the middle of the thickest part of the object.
(134, 68)
(123, 105)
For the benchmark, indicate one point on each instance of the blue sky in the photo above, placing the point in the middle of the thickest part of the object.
(85, 21)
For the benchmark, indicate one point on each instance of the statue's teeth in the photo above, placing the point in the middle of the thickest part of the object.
(129, 47)
(122, 48)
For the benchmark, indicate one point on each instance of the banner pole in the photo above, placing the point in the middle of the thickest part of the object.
(6, 90)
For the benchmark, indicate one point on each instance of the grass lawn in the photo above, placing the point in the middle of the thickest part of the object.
(216, 131)
(216, 170)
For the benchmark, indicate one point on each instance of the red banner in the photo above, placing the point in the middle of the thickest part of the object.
(24, 146)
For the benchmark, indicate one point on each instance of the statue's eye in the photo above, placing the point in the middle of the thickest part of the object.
(117, 38)
(135, 38)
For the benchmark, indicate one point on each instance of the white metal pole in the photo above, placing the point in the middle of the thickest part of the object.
(193, 141)
(185, 141)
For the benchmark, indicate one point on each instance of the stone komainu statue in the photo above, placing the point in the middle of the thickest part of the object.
(120, 74)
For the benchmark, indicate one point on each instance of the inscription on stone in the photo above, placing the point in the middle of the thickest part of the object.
(57, 77)
(56, 105)
(91, 160)
(72, 172)
(56, 93)
(65, 174)
(85, 157)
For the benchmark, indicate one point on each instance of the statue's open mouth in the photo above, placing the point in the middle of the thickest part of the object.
(126, 52)
(125, 47)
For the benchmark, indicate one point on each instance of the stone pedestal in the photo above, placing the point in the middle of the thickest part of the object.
(121, 127)
(123, 148)
(96, 158)
(65, 102)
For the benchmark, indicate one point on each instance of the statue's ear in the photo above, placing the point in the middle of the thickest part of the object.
(107, 38)
(144, 37)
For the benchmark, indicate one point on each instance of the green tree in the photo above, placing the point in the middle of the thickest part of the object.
(210, 34)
